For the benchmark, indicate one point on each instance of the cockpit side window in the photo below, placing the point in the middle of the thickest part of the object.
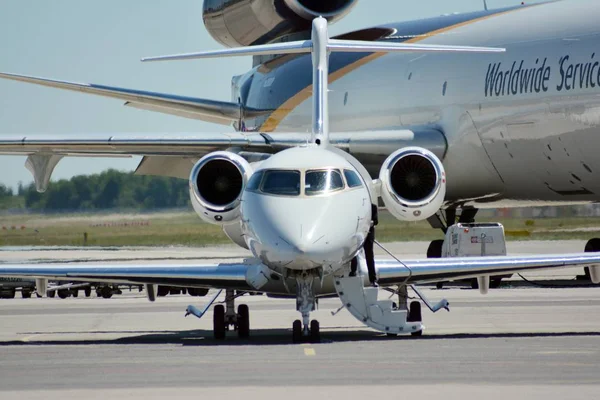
(324, 181)
(352, 178)
(281, 182)
(255, 180)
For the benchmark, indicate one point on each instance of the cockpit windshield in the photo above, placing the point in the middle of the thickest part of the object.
(281, 182)
(323, 181)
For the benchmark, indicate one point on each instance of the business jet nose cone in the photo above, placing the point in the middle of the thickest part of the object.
(304, 233)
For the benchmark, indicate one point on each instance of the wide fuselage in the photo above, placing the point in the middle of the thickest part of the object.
(521, 126)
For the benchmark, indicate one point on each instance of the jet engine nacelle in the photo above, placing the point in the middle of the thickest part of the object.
(216, 185)
(413, 184)
(251, 22)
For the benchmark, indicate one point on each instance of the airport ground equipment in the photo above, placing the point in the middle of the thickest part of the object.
(472, 240)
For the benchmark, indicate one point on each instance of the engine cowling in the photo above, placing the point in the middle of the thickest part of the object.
(413, 184)
(216, 185)
(252, 22)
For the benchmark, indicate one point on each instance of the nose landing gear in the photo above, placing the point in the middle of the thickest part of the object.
(306, 302)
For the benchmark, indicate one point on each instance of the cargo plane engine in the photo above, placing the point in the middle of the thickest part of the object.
(252, 22)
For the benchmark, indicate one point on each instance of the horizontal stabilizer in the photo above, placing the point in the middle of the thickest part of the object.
(305, 46)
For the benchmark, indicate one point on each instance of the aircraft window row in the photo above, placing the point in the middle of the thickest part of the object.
(288, 182)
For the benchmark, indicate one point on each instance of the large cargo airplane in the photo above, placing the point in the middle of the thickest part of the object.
(436, 117)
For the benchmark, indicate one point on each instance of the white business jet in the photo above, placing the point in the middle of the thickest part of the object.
(305, 213)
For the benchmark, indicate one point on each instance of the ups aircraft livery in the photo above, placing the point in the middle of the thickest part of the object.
(434, 119)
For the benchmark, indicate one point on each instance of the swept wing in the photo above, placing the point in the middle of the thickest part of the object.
(431, 270)
(198, 144)
(219, 112)
(243, 276)
(226, 276)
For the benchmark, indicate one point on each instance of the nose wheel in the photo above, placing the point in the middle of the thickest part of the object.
(306, 301)
(311, 335)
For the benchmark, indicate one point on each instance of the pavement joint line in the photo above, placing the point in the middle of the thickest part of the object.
(562, 352)
(309, 352)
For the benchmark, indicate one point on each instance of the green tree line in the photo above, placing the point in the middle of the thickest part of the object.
(107, 190)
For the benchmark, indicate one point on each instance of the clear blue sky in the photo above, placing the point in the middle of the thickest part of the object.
(102, 42)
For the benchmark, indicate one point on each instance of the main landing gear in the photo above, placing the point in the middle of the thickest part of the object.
(225, 317)
(306, 302)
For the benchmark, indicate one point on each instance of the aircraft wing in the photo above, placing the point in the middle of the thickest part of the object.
(197, 144)
(175, 154)
(240, 276)
(219, 112)
(249, 276)
(391, 272)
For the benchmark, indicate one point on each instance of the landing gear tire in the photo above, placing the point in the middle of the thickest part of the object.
(315, 331)
(197, 292)
(162, 291)
(87, 291)
(51, 293)
(63, 293)
(435, 249)
(25, 294)
(495, 283)
(414, 315)
(243, 321)
(297, 331)
(75, 292)
(106, 292)
(219, 322)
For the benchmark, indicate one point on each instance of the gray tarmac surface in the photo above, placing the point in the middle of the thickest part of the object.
(517, 343)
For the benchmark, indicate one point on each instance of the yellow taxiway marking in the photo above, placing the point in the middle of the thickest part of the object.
(28, 338)
(309, 351)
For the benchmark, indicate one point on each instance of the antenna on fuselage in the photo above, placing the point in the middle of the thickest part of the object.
(485, 7)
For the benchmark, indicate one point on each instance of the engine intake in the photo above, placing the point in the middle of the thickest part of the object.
(252, 22)
(310, 9)
(413, 184)
(216, 185)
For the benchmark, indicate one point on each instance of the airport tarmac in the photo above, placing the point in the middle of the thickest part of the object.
(517, 343)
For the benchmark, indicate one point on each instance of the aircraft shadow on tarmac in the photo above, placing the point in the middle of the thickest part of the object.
(261, 337)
